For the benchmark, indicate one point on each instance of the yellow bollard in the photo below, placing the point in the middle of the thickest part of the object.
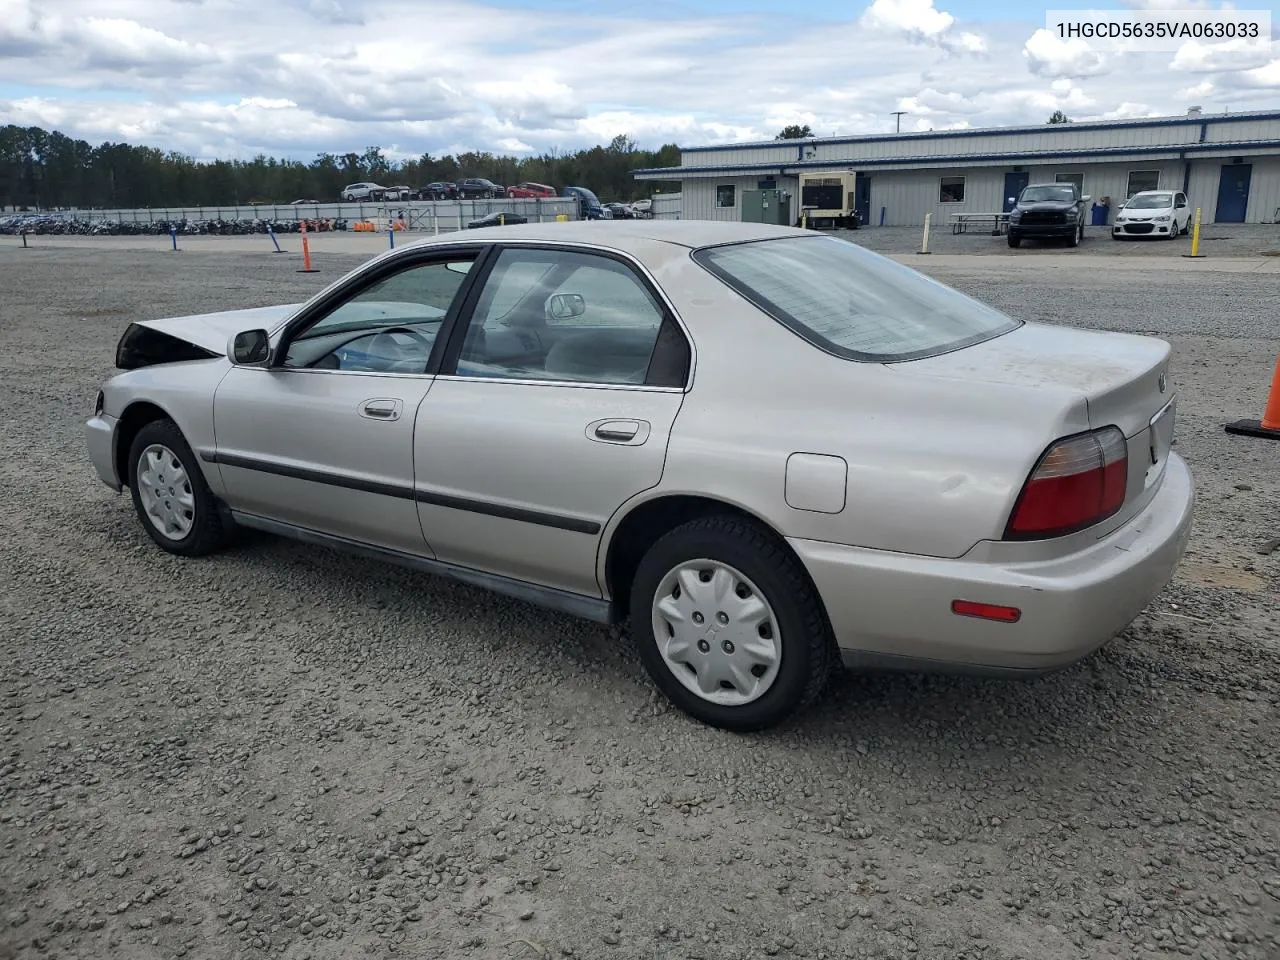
(1195, 238)
(502, 219)
(924, 243)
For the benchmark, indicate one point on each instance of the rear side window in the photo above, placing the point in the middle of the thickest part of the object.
(851, 302)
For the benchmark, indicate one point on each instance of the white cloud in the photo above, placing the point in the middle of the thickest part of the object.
(908, 16)
(1051, 56)
(1195, 57)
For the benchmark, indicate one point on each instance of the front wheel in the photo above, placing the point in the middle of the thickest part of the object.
(729, 626)
(1014, 239)
(170, 495)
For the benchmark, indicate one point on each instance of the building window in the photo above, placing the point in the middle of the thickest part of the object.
(1140, 180)
(1076, 178)
(951, 190)
(725, 195)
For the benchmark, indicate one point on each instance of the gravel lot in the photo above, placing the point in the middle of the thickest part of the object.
(282, 752)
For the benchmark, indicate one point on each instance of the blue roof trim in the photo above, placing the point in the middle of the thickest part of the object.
(1000, 131)
(947, 159)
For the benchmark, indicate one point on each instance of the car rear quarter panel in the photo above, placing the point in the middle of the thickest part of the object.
(933, 467)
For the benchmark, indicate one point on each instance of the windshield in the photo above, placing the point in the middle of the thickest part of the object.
(1150, 201)
(1037, 194)
(851, 302)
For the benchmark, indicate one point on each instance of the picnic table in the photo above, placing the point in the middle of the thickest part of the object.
(960, 222)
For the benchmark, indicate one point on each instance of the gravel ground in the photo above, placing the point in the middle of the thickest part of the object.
(283, 752)
(1216, 240)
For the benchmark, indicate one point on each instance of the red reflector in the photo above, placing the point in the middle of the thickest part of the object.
(1078, 482)
(986, 611)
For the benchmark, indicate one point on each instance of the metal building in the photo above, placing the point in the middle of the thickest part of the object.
(1228, 164)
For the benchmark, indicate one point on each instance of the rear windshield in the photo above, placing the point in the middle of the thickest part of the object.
(851, 302)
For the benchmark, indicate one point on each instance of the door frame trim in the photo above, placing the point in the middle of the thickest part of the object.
(405, 492)
(579, 605)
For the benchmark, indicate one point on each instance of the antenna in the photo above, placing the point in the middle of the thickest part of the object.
(898, 115)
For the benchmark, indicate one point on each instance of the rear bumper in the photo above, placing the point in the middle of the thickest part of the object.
(896, 608)
(100, 438)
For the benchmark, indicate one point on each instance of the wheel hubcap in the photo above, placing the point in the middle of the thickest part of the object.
(716, 632)
(165, 492)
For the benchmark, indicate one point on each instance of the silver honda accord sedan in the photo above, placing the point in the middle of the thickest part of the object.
(766, 451)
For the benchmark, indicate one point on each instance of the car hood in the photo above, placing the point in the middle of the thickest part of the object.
(211, 331)
(1145, 213)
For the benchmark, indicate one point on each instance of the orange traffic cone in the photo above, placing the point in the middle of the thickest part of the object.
(1268, 427)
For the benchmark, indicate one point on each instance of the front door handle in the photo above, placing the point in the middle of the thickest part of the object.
(630, 432)
(380, 409)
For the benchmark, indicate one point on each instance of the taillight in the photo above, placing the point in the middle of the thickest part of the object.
(1078, 482)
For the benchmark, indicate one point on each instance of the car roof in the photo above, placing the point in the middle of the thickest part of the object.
(630, 235)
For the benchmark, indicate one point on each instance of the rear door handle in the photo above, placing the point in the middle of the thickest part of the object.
(380, 409)
(628, 432)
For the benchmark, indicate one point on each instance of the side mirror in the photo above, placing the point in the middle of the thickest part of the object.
(248, 348)
(565, 306)
(1013, 199)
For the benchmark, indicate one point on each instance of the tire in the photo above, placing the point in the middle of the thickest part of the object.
(1015, 239)
(1074, 239)
(795, 650)
(158, 446)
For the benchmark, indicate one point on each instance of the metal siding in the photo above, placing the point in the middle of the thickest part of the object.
(907, 196)
(1226, 131)
(1264, 191)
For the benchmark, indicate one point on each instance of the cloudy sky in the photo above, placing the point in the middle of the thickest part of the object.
(222, 78)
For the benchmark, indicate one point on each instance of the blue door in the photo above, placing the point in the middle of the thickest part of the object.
(1233, 192)
(1013, 184)
(862, 198)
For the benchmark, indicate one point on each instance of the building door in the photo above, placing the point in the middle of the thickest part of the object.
(1233, 192)
(862, 198)
(1013, 184)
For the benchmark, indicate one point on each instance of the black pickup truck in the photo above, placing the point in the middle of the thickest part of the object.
(1048, 210)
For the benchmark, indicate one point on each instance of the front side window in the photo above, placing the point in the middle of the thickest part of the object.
(561, 315)
(851, 302)
(389, 326)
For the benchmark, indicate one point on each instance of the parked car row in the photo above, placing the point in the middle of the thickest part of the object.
(480, 188)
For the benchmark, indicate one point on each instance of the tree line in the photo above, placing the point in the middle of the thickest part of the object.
(43, 170)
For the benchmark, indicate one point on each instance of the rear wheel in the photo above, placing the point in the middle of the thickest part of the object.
(170, 495)
(728, 625)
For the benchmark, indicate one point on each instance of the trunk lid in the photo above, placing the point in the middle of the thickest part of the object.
(1122, 378)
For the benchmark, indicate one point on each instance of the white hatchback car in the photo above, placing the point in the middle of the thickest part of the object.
(1153, 213)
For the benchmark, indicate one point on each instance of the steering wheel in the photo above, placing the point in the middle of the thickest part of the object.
(414, 334)
(329, 360)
